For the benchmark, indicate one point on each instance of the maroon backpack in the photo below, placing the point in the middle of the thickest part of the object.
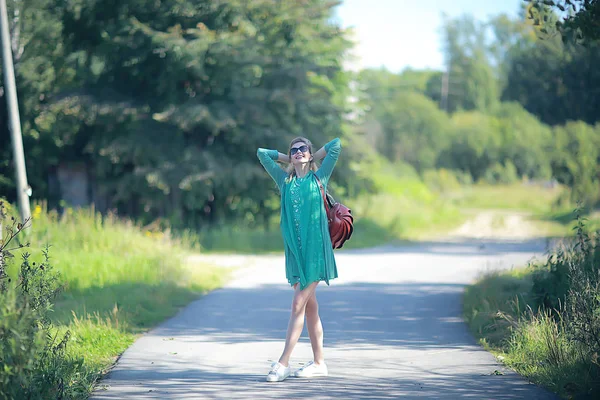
(339, 218)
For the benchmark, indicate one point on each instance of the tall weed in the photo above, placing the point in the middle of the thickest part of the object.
(556, 341)
(33, 359)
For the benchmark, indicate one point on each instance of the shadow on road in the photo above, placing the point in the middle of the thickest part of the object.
(404, 315)
(383, 340)
(195, 384)
(460, 247)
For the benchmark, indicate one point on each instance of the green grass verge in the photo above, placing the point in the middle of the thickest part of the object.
(386, 217)
(518, 196)
(405, 209)
(504, 317)
(540, 202)
(562, 223)
(238, 239)
(119, 281)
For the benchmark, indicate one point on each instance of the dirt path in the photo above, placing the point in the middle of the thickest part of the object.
(497, 224)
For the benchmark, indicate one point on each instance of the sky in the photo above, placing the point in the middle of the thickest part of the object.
(407, 33)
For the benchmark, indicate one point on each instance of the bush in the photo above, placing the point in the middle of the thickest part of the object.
(501, 174)
(441, 180)
(33, 361)
(556, 340)
(551, 282)
(583, 299)
(570, 281)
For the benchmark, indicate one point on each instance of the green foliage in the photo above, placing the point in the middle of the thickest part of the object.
(519, 196)
(502, 173)
(415, 130)
(235, 77)
(556, 81)
(575, 159)
(583, 298)
(497, 141)
(117, 282)
(391, 203)
(475, 144)
(551, 282)
(499, 311)
(353, 174)
(33, 359)
(34, 363)
(525, 141)
(400, 206)
(544, 321)
(402, 124)
(42, 69)
(228, 238)
(443, 180)
(540, 350)
(380, 85)
(494, 296)
(111, 249)
(166, 102)
(580, 20)
(472, 84)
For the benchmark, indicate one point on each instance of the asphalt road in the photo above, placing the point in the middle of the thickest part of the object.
(392, 321)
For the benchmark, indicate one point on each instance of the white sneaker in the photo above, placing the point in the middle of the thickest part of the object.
(310, 370)
(278, 373)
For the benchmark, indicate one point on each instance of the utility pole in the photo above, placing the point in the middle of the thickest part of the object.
(444, 95)
(10, 90)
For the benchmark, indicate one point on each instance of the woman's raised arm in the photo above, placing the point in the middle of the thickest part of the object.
(332, 150)
(267, 159)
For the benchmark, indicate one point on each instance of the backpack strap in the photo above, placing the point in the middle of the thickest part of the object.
(322, 193)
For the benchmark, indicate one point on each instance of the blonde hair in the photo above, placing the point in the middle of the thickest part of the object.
(313, 164)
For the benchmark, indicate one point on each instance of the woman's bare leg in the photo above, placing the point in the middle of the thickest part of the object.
(296, 320)
(315, 328)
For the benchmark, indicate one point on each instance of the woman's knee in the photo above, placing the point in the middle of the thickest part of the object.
(299, 302)
(298, 306)
(312, 306)
(302, 297)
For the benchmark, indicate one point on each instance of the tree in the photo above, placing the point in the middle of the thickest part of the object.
(525, 141)
(415, 130)
(475, 144)
(177, 95)
(379, 86)
(472, 82)
(41, 71)
(555, 81)
(575, 157)
(581, 18)
(510, 37)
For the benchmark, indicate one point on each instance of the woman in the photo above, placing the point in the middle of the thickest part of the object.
(308, 251)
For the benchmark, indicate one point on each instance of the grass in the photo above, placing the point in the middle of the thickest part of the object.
(563, 222)
(228, 238)
(491, 299)
(519, 197)
(550, 219)
(119, 281)
(386, 217)
(404, 209)
(504, 316)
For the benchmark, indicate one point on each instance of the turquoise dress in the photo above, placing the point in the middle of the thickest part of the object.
(308, 250)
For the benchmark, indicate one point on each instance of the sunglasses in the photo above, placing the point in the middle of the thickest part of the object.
(302, 149)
